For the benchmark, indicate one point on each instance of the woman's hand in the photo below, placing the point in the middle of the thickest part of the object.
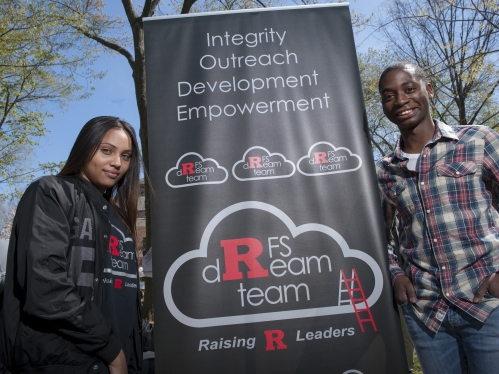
(118, 366)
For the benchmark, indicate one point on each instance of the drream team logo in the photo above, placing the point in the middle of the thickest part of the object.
(120, 259)
(324, 158)
(259, 163)
(193, 170)
(279, 271)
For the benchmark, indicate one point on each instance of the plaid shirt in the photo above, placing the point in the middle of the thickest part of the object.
(446, 219)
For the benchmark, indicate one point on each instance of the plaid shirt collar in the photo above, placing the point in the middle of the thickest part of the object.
(441, 131)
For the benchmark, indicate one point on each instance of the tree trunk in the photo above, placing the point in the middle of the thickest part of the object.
(140, 92)
(139, 79)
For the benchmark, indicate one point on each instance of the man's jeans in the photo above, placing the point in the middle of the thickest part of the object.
(462, 344)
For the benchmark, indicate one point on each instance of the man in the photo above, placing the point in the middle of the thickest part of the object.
(438, 183)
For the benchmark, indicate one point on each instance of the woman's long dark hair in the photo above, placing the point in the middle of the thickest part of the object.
(123, 195)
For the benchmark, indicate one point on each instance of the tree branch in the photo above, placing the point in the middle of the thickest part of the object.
(186, 7)
(106, 43)
(149, 7)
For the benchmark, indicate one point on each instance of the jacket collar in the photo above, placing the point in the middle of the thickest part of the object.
(90, 190)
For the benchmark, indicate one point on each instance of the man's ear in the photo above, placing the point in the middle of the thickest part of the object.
(429, 89)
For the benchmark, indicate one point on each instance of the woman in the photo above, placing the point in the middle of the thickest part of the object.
(71, 294)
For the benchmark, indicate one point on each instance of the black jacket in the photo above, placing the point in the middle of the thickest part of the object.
(52, 322)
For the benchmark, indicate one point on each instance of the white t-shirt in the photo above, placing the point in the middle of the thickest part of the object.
(413, 163)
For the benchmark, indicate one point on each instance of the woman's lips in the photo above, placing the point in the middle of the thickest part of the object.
(111, 174)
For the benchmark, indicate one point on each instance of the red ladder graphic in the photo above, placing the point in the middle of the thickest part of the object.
(356, 295)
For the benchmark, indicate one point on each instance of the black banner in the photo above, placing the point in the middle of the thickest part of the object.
(269, 252)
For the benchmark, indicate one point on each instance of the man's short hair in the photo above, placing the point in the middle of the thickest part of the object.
(405, 65)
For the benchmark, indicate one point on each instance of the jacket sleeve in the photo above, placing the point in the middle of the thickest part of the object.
(43, 233)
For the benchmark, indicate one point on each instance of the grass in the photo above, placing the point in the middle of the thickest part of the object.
(417, 366)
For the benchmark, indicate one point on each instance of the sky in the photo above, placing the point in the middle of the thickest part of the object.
(114, 95)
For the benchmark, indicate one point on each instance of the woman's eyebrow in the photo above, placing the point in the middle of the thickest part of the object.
(113, 146)
(109, 144)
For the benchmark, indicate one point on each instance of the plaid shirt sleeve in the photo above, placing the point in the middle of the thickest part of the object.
(491, 166)
(389, 212)
(491, 156)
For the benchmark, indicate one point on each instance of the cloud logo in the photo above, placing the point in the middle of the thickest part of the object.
(177, 298)
(324, 158)
(193, 170)
(259, 163)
